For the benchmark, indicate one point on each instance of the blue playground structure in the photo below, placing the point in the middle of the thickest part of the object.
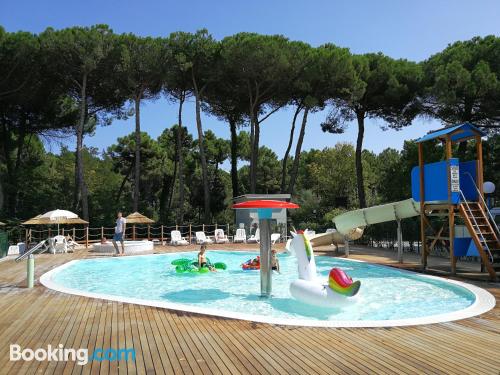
(451, 189)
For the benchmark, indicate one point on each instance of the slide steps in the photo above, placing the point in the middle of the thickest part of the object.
(483, 234)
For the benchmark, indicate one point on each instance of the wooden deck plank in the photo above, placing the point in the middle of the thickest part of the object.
(82, 313)
(188, 355)
(152, 347)
(241, 355)
(227, 357)
(284, 358)
(129, 338)
(157, 341)
(138, 342)
(263, 348)
(27, 330)
(84, 339)
(114, 336)
(192, 325)
(54, 335)
(434, 358)
(164, 342)
(177, 342)
(225, 330)
(204, 362)
(173, 342)
(332, 361)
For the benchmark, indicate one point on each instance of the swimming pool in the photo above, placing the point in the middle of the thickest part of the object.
(388, 296)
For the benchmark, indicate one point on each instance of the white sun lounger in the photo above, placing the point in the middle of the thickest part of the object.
(254, 238)
(59, 244)
(220, 237)
(241, 236)
(177, 239)
(275, 237)
(201, 238)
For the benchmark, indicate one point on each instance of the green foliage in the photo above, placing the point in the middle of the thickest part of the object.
(463, 83)
(91, 52)
(141, 66)
(80, 77)
(384, 88)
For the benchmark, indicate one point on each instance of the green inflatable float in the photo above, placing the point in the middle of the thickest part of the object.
(185, 265)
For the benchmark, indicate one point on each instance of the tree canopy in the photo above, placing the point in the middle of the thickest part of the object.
(65, 83)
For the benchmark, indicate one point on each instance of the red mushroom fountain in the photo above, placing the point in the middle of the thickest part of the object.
(264, 210)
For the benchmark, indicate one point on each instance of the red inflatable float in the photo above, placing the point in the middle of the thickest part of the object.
(251, 264)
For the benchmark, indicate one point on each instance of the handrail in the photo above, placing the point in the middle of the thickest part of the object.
(32, 250)
(492, 219)
(477, 227)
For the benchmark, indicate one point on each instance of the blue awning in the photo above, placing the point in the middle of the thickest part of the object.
(457, 133)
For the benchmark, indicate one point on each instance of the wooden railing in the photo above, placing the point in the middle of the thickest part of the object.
(88, 235)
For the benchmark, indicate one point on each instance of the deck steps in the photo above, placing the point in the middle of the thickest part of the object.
(484, 235)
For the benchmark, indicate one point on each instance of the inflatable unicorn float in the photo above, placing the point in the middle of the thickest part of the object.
(309, 288)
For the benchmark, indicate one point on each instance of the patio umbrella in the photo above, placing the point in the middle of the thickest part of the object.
(137, 218)
(33, 221)
(59, 215)
(56, 217)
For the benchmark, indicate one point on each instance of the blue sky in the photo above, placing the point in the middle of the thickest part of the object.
(401, 29)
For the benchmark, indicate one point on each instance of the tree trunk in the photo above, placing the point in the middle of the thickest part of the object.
(254, 155)
(234, 158)
(359, 162)
(298, 149)
(466, 117)
(13, 167)
(172, 188)
(180, 137)
(289, 147)
(164, 195)
(122, 185)
(9, 190)
(2, 196)
(203, 160)
(462, 150)
(17, 166)
(80, 199)
(137, 174)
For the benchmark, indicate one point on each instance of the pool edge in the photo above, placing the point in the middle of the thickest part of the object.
(483, 303)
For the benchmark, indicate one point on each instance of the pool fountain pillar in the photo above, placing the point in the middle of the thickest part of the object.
(31, 271)
(266, 281)
(265, 212)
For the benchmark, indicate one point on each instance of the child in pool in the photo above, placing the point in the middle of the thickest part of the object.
(202, 259)
(275, 264)
(255, 262)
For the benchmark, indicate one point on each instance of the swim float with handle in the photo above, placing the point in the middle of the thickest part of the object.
(186, 265)
(248, 265)
(340, 289)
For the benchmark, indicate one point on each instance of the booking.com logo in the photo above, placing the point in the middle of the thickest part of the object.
(60, 353)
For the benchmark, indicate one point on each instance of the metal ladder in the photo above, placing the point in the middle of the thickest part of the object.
(477, 229)
(483, 228)
(490, 216)
(43, 245)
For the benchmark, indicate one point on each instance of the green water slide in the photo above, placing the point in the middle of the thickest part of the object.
(347, 222)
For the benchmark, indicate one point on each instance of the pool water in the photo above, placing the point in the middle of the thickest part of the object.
(386, 293)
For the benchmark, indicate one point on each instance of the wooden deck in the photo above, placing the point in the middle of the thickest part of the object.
(182, 343)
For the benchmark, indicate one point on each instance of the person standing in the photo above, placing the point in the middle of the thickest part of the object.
(119, 235)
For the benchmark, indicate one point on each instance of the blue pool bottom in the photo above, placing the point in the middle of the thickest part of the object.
(386, 293)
